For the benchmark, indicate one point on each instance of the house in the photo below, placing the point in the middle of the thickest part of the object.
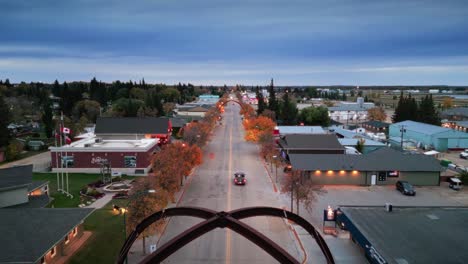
(369, 145)
(376, 126)
(347, 111)
(41, 235)
(310, 144)
(384, 166)
(407, 234)
(427, 136)
(17, 189)
(126, 144)
(287, 130)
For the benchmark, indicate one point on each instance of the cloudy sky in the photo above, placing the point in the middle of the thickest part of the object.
(296, 42)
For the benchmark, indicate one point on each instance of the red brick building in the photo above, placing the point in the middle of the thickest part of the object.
(127, 144)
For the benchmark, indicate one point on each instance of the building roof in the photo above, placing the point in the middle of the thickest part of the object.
(36, 185)
(28, 234)
(354, 141)
(376, 124)
(132, 125)
(351, 107)
(383, 159)
(178, 121)
(34, 201)
(310, 141)
(414, 235)
(15, 176)
(458, 111)
(422, 128)
(462, 123)
(283, 130)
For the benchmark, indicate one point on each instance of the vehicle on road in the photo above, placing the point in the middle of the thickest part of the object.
(239, 178)
(464, 154)
(455, 183)
(405, 188)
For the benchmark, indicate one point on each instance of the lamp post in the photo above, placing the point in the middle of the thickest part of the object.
(402, 130)
(276, 168)
(125, 209)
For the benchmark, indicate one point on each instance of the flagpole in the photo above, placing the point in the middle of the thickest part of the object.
(56, 159)
(61, 149)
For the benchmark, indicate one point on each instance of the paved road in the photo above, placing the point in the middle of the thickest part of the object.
(40, 162)
(212, 187)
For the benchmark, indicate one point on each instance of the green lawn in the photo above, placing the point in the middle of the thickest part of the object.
(107, 239)
(75, 182)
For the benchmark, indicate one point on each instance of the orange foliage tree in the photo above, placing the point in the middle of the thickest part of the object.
(172, 164)
(145, 205)
(255, 127)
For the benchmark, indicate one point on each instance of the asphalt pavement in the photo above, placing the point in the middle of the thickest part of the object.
(212, 187)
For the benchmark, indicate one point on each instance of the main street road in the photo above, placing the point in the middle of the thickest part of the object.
(212, 187)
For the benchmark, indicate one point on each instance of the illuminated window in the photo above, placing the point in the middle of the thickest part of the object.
(67, 239)
(75, 231)
(43, 260)
(53, 252)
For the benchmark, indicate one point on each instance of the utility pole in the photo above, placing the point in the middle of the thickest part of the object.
(402, 130)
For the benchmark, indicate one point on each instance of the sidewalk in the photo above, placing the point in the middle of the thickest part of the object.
(135, 255)
(101, 202)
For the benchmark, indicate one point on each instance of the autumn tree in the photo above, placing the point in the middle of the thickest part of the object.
(301, 189)
(87, 108)
(143, 205)
(377, 113)
(255, 127)
(447, 103)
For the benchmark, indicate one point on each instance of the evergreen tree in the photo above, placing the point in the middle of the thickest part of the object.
(272, 101)
(4, 122)
(412, 107)
(261, 102)
(47, 118)
(56, 89)
(288, 111)
(158, 104)
(398, 115)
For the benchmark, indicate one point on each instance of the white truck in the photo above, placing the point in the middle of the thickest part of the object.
(464, 154)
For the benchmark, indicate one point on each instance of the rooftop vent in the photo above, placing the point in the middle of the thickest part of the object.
(388, 207)
(433, 217)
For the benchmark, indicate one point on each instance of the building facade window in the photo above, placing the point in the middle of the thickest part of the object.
(130, 161)
(75, 231)
(43, 260)
(67, 239)
(53, 252)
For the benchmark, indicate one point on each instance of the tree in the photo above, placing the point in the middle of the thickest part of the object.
(315, 116)
(360, 145)
(301, 188)
(255, 127)
(87, 108)
(427, 112)
(56, 88)
(13, 150)
(288, 111)
(377, 113)
(47, 118)
(261, 102)
(4, 122)
(144, 205)
(447, 103)
(272, 101)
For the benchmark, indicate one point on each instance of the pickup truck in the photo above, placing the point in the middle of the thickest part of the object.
(464, 154)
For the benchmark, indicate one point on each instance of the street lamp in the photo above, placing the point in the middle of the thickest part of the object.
(124, 210)
(276, 168)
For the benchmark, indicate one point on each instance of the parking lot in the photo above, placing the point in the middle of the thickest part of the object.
(342, 248)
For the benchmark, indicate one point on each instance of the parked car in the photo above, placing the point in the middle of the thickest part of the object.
(239, 178)
(405, 188)
(464, 154)
(455, 183)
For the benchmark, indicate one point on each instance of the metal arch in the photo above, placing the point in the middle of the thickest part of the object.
(176, 211)
(223, 219)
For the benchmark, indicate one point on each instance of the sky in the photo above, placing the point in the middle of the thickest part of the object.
(296, 42)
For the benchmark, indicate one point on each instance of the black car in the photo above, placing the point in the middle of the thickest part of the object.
(239, 178)
(405, 188)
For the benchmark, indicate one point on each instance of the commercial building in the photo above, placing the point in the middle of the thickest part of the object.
(455, 114)
(407, 234)
(376, 126)
(126, 144)
(347, 111)
(384, 166)
(306, 130)
(310, 144)
(427, 136)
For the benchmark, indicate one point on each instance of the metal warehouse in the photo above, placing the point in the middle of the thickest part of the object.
(427, 136)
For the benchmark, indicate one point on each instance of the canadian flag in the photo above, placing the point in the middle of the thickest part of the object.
(66, 130)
